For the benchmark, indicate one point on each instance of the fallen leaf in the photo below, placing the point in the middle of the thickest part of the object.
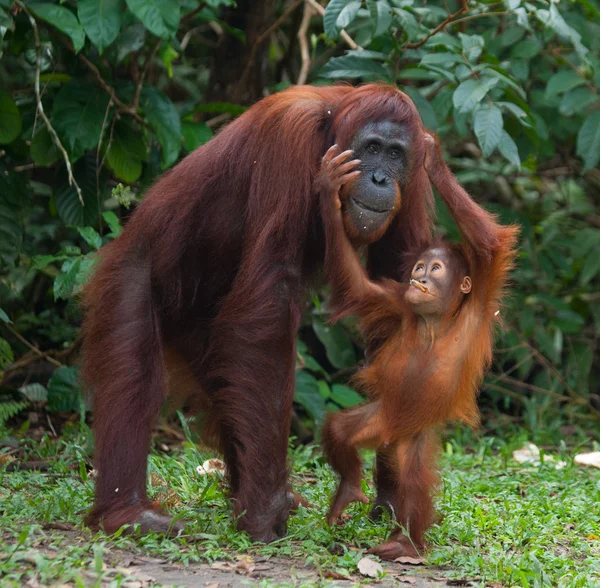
(588, 459)
(223, 566)
(211, 466)
(335, 576)
(593, 537)
(413, 561)
(530, 453)
(211, 585)
(406, 579)
(245, 566)
(369, 567)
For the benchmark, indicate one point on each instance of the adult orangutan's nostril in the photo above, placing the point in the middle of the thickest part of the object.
(379, 178)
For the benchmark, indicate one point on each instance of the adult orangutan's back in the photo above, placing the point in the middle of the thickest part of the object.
(209, 270)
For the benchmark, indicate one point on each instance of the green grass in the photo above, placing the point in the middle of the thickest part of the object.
(501, 521)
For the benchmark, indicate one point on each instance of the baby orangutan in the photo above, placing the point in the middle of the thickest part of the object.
(434, 339)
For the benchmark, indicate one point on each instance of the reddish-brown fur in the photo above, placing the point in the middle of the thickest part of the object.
(209, 273)
(419, 378)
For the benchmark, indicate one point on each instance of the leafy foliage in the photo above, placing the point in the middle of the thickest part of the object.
(129, 87)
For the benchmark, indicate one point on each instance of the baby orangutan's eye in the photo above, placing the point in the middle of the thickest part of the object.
(436, 267)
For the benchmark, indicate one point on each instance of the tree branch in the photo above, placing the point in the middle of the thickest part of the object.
(303, 41)
(40, 106)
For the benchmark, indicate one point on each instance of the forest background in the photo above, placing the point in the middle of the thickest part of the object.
(98, 97)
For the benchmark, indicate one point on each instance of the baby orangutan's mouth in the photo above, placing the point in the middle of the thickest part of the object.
(420, 286)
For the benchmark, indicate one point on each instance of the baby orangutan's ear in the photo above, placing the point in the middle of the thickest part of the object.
(466, 285)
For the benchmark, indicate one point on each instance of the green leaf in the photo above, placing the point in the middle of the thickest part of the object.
(93, 188)
(509, 149)
(344, 396)
(44, 151)
(441, 59)
(78, 113)
(126, 152)
(64, 394)
(61, 18)
(90, 236)
(516, 110)
(526, 49)
(195, 134)
(101, 20)
(576, 100)
(471, 92)
(332, 12)
(563, 81)
(488, 126)
(113, 222)
(15, 198)
(348, 14)
(4, 317)
(34, 392)
(308, 396)
(160, 17)
(65, 282)
(6, 354)
(588, 141)
(423, 106)
(590, 269)
(10, 118)
(164, 119)
(338, 347)
(351, 66)
(381, 17)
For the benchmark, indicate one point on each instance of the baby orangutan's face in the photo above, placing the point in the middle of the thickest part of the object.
(436, 283)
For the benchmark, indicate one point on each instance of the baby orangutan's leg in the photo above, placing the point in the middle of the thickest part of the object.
(344, 432)
(415, 482)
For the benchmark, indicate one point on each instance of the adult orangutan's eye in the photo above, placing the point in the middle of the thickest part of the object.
(373, 148)
(394, 154)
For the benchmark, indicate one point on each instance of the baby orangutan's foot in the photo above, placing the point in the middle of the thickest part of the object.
(151, 520)
(346, 493)
(390, 550)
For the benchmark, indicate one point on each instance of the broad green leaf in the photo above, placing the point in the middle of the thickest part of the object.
(34, 392)
(15, 199)
(221, 107)
(195, 134)
(93, 190)
(590, 269)
(442, 105)
(576, 100)
(516, 110)
(6, 354)
(61, 18)
(338, 347)
(10, 118)
(130, 40)
(381, 17)
(164, 119)
(512, 4)
(471, 92)
(65, 282)
(563, 81)
(126, 152)
(101, 20)
(526, 49)
(441, 59)
(44, 151)
(509, 149)
(588, 141)
(160, 17)
(4, 317)
(78, 113)
(113, 222)
(64, 393)
(345, 396)
(332, 12)
(308, 396)
(423, 106)
(348, 14)
(488, 125)
(90, 236)
(349, 66)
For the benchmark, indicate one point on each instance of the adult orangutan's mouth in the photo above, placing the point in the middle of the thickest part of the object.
(369, 208)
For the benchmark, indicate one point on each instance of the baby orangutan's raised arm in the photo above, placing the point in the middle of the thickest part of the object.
(352, 290)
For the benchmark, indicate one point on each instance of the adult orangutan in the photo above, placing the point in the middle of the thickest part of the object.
(202, 292)
(434, 334)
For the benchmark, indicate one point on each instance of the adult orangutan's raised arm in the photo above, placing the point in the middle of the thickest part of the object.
(201, 294)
